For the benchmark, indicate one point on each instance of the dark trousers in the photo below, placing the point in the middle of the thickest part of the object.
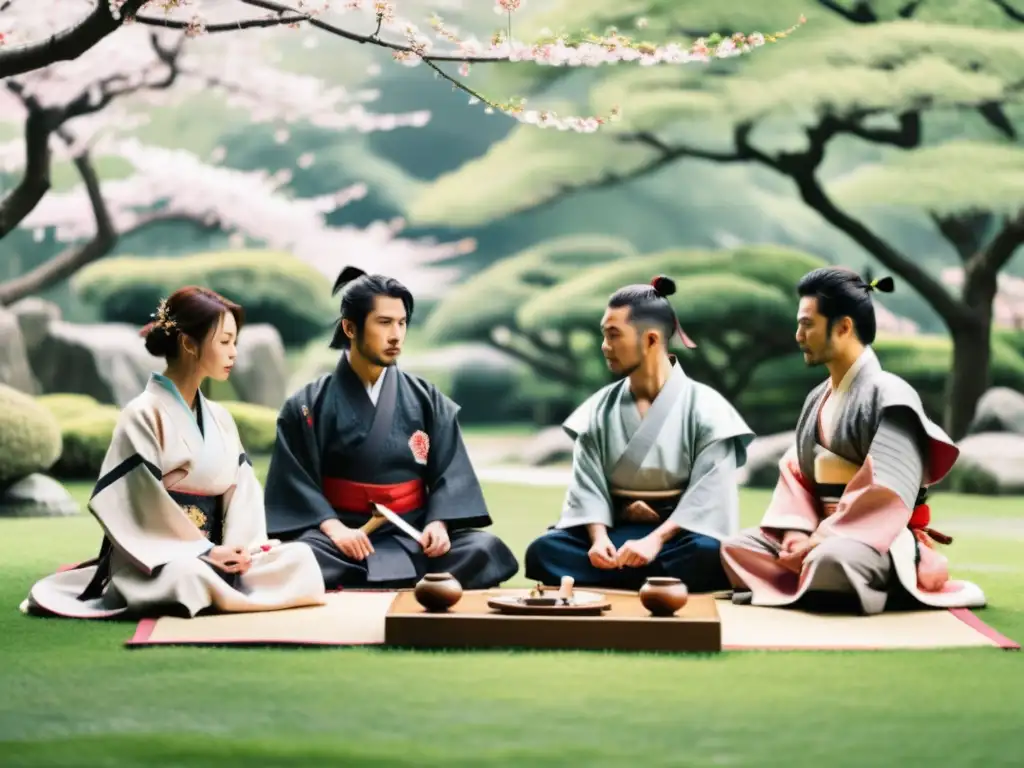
(477, 559)
(691, 557)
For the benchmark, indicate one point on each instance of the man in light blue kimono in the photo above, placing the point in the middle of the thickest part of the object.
(653, 490)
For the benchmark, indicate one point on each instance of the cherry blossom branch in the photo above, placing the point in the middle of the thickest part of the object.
(587, 50)
(103, 241)
(35, 181)
(41, 122)
(110, 88)
(68, 44)
(193, 29)
(365, 39)
(71, 259)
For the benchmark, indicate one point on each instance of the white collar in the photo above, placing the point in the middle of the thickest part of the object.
(866, 357)
(373, 390)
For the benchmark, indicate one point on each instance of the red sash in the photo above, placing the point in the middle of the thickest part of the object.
(350, 496)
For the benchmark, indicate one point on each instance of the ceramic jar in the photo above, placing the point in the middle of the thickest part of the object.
(663, 595)
(437, 592)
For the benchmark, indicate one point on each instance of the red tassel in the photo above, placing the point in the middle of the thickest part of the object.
(921, 519)
(687, 341)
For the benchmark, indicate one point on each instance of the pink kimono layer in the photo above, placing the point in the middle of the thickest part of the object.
(870, 513)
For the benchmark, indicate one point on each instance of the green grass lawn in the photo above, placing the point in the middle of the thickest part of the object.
(73, 695)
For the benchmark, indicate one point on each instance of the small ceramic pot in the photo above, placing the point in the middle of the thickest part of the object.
(663, 595)
(437, 592)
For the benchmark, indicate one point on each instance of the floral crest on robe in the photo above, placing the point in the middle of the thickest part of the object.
(419, 444)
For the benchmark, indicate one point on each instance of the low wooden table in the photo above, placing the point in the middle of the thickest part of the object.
(626, 626)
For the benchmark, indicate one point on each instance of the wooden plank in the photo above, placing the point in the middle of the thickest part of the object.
(627, 626)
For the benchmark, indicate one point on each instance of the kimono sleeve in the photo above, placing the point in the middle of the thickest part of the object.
(588, 499)
(711, 503)
(793, 506)
(879, 501)
(454, 495)
(245, 523)
(293, 497)
(130, 501)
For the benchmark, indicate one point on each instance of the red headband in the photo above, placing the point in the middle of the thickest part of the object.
(687, 341)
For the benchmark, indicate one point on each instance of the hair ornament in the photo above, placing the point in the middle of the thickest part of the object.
(162, 318)
(883, 284)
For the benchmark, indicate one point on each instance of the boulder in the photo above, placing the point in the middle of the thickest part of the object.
(35, 316)
(991, 463)
(37, 496)
(260, 375)
(14, 367)
(107, 361)
(550, 446)
(1001, 409)
(763, 456)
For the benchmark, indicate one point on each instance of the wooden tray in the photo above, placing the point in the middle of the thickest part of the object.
(590, 604)
(625, 626)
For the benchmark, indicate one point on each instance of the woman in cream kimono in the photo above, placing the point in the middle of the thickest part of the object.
(179, 504)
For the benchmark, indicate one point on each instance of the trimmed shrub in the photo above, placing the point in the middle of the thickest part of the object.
(65, 405)
(970, 479)
(86, 441)
(257, 426)
(30, 439)
(87, 427)
(274, 288)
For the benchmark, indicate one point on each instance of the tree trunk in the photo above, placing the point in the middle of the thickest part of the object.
(969, 378)
(972, 349)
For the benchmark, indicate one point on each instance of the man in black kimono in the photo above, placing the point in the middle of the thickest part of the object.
(371, 433)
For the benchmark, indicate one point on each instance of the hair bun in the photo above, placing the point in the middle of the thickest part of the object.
(884, 284)
(160, 341)
(664, 286)
(348, 274)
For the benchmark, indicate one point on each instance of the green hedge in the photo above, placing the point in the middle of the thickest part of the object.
(257, 426)
(30, 438)
(274, 288)
(86, 427)
(970, 479)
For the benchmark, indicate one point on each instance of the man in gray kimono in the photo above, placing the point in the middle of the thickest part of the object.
(847, 526)
(653, 488)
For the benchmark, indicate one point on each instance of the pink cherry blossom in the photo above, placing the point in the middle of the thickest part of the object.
(250, 205)
(121, 79)
(409, 46)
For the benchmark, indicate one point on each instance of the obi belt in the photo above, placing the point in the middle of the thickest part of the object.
(359, 498)
(663, 503)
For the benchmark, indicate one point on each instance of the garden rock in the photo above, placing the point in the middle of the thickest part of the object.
(550, 446)
(1001, 409)
(37, 496)
(35, 317)
(107, 361)
(14, 366)
(990, 463)
(260, 375)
